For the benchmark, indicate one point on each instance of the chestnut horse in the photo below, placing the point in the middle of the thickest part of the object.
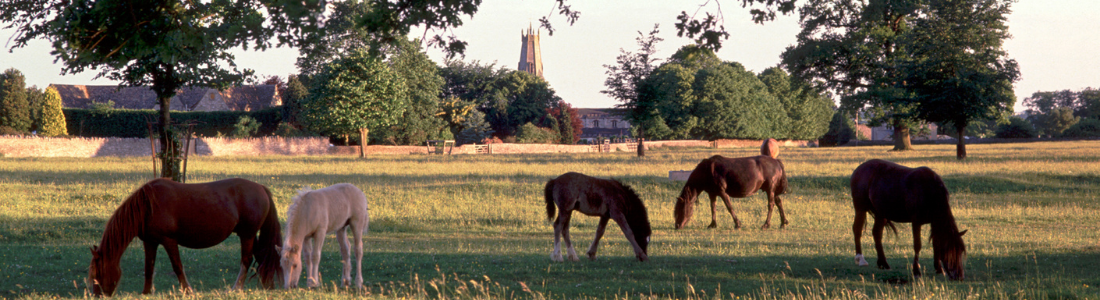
(733, 177)
(314, 214)
(608, 199)
(895, 193)
(172, 214)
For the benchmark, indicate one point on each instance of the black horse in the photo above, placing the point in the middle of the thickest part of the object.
(608, 199)
(733, 177)
(895, 193)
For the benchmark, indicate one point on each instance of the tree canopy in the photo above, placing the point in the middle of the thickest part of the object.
(354, 94)
(15, 110)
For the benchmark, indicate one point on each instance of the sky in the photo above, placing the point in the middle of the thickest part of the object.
(1055, 44)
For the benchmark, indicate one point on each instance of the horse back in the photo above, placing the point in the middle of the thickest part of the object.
(744, 176)
(583, 193)
(896, 192)
(204, 214)
(333, 206)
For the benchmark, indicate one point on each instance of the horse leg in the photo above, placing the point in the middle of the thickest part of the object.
(315, 260)
(857, 232)
(177, 266)
(150, 259)
(729, 207)
(599, 234)
(358, 232)
(342, 237)
(621, 220)
(771, 206)
(916, 250)
(246, 261)
(556, 254)
(782, 216)
(876, 232)
(713, 211)
(572, 253)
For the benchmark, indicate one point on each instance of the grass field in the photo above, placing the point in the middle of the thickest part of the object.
(475, 227)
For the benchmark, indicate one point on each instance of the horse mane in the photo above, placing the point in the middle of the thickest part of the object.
(635, 211)
(293, 208)
(268, 266)
(127, 222)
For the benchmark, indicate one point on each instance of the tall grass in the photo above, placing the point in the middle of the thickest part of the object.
(474, 227)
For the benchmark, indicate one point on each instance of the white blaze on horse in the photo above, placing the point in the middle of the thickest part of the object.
(314, 214)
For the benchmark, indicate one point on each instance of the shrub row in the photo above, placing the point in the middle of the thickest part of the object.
(133, 122)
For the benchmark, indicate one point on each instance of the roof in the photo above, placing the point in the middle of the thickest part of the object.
(596, 113)
(242, 98)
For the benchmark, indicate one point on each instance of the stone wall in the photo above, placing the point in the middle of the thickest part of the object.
(18, 146)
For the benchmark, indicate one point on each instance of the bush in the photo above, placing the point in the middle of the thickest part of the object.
(133, 122)
(1017, 128)
(531, 134)
(246, 127)
(841, 130)
(1083, 128)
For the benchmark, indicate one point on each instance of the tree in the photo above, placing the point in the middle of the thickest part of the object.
(341, 36)
(521, 98)
(625, 78)
(570, 124)
(808, 110)
(15, 111)
(958, 71)
(353, 94)
(737, 105)
(1089, 101)
(52, 119)
(165, 44)
(296, 92)
(424, 84)
(474, 128)
(841, 130)
(1084, 128)
(852, 49)
(1054, 122)
(1016, 128)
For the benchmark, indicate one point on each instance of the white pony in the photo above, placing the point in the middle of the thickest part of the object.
(314, 214)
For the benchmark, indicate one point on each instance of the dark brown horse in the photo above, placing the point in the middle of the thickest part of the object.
(164, 212)
(733, 177)
(894, 193)
(608, 199)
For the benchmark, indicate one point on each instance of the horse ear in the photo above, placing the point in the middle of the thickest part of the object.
(95, 251)
(279, 249)
(963, 232)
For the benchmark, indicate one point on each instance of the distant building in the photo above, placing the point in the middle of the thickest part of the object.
(242, 98)
(602, 122)
(530, 56)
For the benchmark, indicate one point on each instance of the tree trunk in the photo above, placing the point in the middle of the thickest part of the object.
(960, 147)
(901, 137)
(362, 140)
(169, 146)
(641, 142)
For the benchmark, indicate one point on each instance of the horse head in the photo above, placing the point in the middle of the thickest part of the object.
(291, 260)
(685, 204)
(637, 218)
(950, 253)
(103, 274)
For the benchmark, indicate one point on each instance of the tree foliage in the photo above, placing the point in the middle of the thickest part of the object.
(958, 71)
(421, 76)
(15, 111)
(51, 117)
(852, 48)
(807, 109)
(841, 131)
(356, 92)
(1084, 128)
(1054, 122)
(1016, 128)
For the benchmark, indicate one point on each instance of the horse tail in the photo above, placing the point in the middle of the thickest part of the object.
(265, 250)
(548, 194)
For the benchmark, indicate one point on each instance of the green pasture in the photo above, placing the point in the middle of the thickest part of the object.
(474, 226)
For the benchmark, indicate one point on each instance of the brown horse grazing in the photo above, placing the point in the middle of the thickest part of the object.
(165, 212)
(608, 199)
(733, 177)
(894, 193)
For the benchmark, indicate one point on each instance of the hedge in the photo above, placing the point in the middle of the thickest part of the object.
(132, 122)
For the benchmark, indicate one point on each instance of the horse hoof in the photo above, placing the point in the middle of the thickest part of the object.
(712, 225)
(591, 256)
(860, 261)
(556, 257)
(765, 226)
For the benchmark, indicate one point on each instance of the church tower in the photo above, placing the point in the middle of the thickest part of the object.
(530, 57)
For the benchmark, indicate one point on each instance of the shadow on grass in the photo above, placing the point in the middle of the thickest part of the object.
(59, 269)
